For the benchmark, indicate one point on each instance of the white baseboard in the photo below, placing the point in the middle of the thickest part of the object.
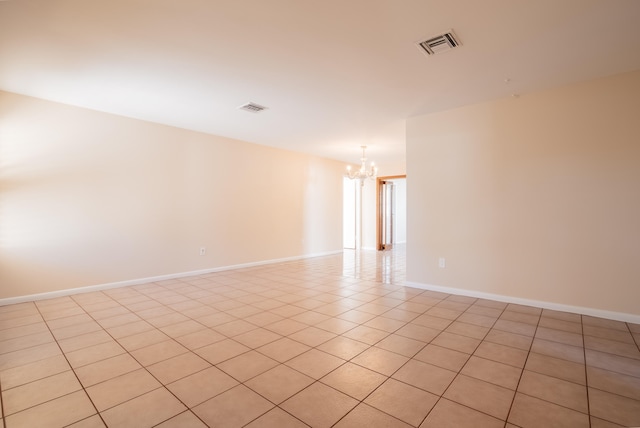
(99, 287)
(600, 313)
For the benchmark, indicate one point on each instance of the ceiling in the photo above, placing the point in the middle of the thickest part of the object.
(334, 74)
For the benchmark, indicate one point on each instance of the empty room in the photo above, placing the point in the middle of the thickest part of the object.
(353, 213)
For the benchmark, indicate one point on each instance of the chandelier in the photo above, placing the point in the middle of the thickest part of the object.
(362, 174)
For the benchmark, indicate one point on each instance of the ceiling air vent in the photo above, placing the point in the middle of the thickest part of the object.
(438, 44)
(252, 107)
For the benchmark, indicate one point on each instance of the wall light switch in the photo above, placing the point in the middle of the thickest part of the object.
(203, 251)
(441, 262)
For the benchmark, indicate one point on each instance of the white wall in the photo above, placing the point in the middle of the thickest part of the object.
(89, 198)
(535, 198)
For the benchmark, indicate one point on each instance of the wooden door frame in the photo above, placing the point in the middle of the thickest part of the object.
(378, 211)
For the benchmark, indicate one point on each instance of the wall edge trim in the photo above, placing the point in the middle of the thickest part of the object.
(107, 286)
(599, 313)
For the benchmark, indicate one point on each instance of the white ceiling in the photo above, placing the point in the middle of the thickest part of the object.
(335, 74)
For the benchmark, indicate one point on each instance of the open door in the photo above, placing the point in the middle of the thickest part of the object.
(386, 212)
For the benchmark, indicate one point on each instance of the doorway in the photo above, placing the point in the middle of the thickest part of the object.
(391, 209)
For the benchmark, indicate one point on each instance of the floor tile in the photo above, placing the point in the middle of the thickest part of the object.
(381, 361)
(520, 317)
(365, 415)
(175, 368)
(201, 386)
(129, 329)
(532, 412)
(144, 339)
(92, 354)
(94, 421)
(556, 367)
(560, 336)
(286, 327)
(247, 365)
(557, 324)
(279, 383)
(456, 342)
(480, 395)
(502, 354)
(605, 380)
(384, 323)
(181, 328)
(106, 369)
(30, 372)
(425, 376)
(354, 380)
(315, 363)
(509, 339)
(515, 327)
(84, 341)
(27, 356)
(418, 332)
(554, 390)
(623, 365)
(493, 372)
(608, 333)
(402, 401)
(122, 388)
(276, 418)
(256, 338)
(312, 336)
(234, 328)
(614, 408)
(442, 357)
(612, 347)
(184, 420)
(447, 414)
(319, 405)
(336, 325)
(158, 352)
(146, 410)
(233, 408)
(283, 349)
(221, 351)
(600, 423)
(368, 335)
(23, 342)
(343, 347)
(59, 412)
(558, 350)
(200, 338)
(469, 330)
(31, 394)
(477, 319)
(401, 345)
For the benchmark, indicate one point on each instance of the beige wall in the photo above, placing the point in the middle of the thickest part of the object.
(536, 197)
(89, 198)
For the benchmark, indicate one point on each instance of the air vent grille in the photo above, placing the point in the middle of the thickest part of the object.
(252, 107)
(438, 44)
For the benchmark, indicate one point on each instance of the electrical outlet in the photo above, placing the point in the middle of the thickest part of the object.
(441, 262)
(203, 251)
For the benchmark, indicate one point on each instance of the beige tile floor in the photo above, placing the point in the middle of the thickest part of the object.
(330, 341)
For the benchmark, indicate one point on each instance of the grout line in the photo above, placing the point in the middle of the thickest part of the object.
(533, 338)
(586, 373)
(70, 366)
